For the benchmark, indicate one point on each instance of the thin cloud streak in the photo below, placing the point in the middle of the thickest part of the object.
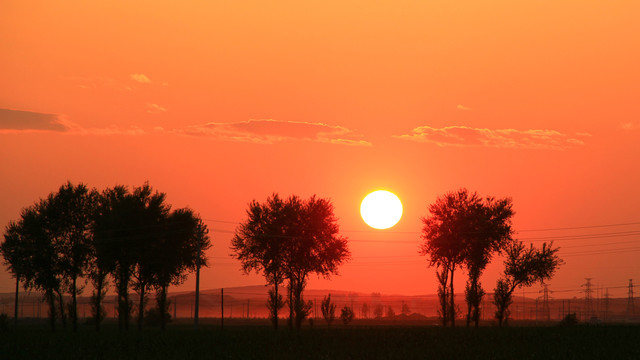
(269, 131)
(252, 131)
(19, 121)
(30, 121)
(464, 136)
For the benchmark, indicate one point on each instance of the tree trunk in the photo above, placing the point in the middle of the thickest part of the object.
(162, 306)
(15, 308)
(275, 310)
(63, 317)
(299, 306)
(52, 309)
(290, 290)
(97, 317)
(452, 309)
(141, 306)
(469, 311)
(74, 304)
(123, 301)
(196, 311)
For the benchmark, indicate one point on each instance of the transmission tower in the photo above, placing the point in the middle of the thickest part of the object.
(588, 301)
(630, 307)
(546, 313)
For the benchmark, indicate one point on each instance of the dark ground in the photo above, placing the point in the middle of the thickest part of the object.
(355, 341)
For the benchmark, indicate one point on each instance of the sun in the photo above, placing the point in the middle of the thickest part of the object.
(381, 209)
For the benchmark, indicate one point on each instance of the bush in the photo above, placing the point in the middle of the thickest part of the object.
(346, 315)
(4, 322)
(152, 317)
(569, 320)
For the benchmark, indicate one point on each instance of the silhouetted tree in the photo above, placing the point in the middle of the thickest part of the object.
(15, 255)
(378, 310)
(38, 264)
(328, 310)
(365, 310)
(290, 240)
(523, 267)
(346, 315)
(444, 239)
(488, 232)
(315, 246)
(69, 217)
(405, 309)
(151, 213)
(462, 229)
(115, 230)
(390, 312)
(177, 253)
(259, 244)
(128, 224)
(98, 271)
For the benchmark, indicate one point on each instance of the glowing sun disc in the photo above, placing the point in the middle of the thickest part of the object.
(381, 209)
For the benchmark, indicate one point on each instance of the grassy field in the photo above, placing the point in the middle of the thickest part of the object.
(258, 341)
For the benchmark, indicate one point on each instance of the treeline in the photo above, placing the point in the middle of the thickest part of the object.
(78, 235)
(133, 239)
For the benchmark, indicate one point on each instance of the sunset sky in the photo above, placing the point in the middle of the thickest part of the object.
(217, 103)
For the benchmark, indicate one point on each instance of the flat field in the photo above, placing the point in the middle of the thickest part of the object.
(357, 341)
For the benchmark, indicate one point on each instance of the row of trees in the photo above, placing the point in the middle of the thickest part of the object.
(288, 240)
(79, 235)
(465, 231)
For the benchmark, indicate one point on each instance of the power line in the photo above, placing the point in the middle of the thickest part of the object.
(418, 232)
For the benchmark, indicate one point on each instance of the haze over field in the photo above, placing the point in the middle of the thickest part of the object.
(218, 103)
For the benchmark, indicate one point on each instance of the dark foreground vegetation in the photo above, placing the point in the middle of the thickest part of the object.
(238, 341)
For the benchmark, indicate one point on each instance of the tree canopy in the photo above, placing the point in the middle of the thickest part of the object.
(76, 234)
(288, 240)
(523, 267)
(463, 229)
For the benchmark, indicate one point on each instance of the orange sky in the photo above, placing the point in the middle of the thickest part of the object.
(218, 103)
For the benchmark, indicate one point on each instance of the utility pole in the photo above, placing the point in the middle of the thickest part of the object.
(248, 314)
(606, 304)
(175, 306)
(222, 308)
(197, 313)
(630, 305)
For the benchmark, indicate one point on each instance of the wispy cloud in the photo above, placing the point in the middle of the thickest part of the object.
(498, 138)
(141, 78)
(462, 107)
(19, 120)
(254, 131)
(630, 125)
(155, 109)
(268, 131)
